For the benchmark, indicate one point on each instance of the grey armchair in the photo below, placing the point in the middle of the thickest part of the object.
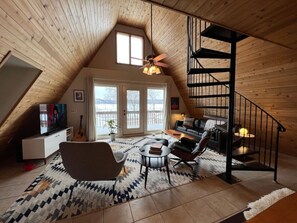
(91, 161)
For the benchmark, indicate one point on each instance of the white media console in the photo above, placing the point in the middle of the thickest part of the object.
(41, 147)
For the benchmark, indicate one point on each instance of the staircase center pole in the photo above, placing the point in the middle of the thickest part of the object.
(231, 108)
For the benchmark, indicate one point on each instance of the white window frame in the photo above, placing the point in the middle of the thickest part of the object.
(130, 59)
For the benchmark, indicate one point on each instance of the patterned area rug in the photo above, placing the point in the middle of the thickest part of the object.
(47, 198)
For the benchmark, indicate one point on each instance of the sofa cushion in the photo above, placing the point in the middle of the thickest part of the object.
(193, 131)
(188, 122)
(196, 124)
(181, 128)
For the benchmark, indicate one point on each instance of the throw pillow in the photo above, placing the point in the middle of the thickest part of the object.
(211, 124)
(188, 122)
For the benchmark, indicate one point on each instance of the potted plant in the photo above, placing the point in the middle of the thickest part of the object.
(112, 126)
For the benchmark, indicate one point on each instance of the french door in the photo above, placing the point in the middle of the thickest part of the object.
(133, 109)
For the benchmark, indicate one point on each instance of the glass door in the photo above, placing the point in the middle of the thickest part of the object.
(155, 109)
(106, 107)
(132, 110)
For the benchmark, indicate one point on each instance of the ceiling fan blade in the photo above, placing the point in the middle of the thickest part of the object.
(161, 64)
(138, 59)
(160, 57)
(146, 65)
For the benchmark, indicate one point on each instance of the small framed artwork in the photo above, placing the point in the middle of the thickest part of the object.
(175, 103)
(78, 95)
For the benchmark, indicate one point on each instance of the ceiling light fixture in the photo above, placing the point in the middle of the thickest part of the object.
(152, 66)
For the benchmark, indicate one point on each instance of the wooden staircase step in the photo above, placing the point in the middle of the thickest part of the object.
(220, 33)
(208, 53)
(210, 96)
(207, 70)
(208, 84)
(212, 107)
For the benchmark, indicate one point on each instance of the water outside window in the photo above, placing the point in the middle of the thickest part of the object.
(106, 105)
(155, 109)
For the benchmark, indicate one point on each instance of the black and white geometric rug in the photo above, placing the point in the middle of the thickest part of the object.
(46, 199)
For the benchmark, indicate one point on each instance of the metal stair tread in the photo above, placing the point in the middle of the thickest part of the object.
(208, 53)
(207, 70)
(243, 151)
(210, 96)
(212, 107)
(208, 84)
(253, 166)
(220, 33)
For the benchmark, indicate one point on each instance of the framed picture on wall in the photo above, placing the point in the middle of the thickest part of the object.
(78, 95)
(175, 103)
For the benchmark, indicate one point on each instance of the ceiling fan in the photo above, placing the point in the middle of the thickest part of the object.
(153, 62)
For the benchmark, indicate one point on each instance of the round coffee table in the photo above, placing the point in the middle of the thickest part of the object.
(156, 161)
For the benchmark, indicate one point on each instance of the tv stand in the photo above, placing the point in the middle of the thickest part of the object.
(42, 146)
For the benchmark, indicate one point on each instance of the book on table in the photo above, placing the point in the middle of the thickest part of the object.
(156, 146)
(156, 152)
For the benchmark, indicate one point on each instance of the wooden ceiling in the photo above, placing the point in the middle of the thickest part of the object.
(61, 36)
(274, 20)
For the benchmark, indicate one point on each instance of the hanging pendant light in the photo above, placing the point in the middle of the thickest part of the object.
(151, 68)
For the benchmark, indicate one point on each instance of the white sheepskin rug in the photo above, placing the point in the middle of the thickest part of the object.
(266, 201)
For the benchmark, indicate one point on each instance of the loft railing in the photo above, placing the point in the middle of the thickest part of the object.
(263, 128)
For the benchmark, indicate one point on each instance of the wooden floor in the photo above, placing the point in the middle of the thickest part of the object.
(209, 200)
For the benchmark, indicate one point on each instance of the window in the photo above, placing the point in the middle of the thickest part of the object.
(129, 47)
(155, 109)
(106, 106)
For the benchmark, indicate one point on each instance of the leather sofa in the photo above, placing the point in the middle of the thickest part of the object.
(196, 126)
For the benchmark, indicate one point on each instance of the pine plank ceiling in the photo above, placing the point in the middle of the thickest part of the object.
(61, 36)
(275, 21)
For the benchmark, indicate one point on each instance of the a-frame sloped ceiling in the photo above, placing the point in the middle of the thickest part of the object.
(274, 20)
(60, 36)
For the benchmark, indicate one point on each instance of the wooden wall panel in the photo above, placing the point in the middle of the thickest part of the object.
(267, 75)
(57, 36)
(61, 36)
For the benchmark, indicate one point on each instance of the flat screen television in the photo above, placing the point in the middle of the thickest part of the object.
(53, 117)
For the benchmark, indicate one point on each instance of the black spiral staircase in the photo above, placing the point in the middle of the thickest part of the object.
(258, 150)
